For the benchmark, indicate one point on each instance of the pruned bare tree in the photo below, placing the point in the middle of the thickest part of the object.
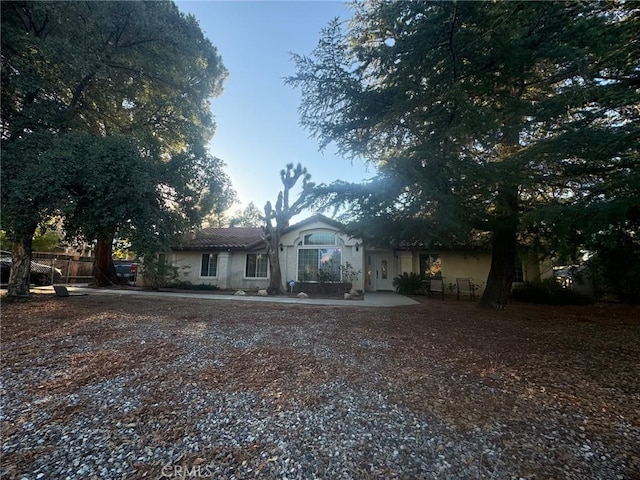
(277, 218)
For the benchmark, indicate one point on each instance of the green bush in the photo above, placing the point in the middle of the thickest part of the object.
(158, 273)
(615, 266)
(191, 286)
(548, 292)
(407, 283)
(332, 289)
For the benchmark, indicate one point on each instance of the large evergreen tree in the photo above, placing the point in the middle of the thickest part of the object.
(485, 120)
(140, 70)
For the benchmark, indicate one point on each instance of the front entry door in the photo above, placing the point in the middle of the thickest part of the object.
(384, 272)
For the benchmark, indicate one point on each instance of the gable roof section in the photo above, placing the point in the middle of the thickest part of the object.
(236, 238)
(315, 218)
(222, 239)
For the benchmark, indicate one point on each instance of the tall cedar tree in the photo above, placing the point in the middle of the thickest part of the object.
(140, 70)
(485, 120)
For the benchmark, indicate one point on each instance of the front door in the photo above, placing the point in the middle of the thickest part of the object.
(384, 272)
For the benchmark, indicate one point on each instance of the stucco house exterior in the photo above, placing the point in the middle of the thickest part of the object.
(236, 258)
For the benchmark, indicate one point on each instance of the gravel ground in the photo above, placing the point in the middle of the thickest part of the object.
(129, 387)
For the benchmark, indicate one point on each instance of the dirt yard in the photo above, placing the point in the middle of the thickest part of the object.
(114, 387)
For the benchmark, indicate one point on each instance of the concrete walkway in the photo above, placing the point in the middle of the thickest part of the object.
(371, 299)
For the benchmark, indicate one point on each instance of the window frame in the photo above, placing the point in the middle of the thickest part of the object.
(209, 255)
(266, 266)
(431, 264)
(322, 250)
(518, 270)
(307, 240)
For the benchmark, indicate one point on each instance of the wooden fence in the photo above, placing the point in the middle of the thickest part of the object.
(73, 268)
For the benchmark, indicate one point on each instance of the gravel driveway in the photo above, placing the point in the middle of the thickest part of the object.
(116, 387)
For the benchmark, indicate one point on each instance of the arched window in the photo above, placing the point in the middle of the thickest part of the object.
(320, 238)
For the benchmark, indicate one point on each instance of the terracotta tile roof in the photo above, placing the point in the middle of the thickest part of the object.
(239, 238)
(222, 238)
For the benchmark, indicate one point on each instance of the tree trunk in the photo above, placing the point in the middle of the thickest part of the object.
(273, 250)
(20, 274)
(104, 272)
(503, 256)
(498, 289)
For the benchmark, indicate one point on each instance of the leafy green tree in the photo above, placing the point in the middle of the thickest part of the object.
(278, 216)
(249, 217)
(206, 188)
(615, 264)
(43, 241)
(140, 70)
(219, 196)
(487, 121)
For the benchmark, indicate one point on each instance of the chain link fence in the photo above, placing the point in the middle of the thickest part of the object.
(64, 268)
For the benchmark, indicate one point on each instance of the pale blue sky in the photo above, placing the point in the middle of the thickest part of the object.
(258, 129)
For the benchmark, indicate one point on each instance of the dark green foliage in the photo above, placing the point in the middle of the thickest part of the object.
(105, 118)
(328, 275)
(158, 273)
(499, 122)
(43, 241)
(408, 283)
(332, 289)
(192, 286)
(616, 265)
(549, 292)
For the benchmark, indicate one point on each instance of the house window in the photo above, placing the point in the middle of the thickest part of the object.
(320, 238)
(209, 265)
(164, 266)
(256, 265)
(518, 271)
(430, 265)
(319, 264)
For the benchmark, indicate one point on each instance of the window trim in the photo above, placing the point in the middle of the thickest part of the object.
(209, 265)
(318, 249)
(519, 275)
(305, 238)
(431, 264)
(246, 266)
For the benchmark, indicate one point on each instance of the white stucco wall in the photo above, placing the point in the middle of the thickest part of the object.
(230, 273)
(475, 265)
(231, 264)
(291, 243)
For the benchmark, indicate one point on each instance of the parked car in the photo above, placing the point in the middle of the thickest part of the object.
(126, 271)
(41, 274)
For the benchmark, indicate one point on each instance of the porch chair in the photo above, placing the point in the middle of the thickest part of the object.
(465, 287)
(424, 287)
(436, 286)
